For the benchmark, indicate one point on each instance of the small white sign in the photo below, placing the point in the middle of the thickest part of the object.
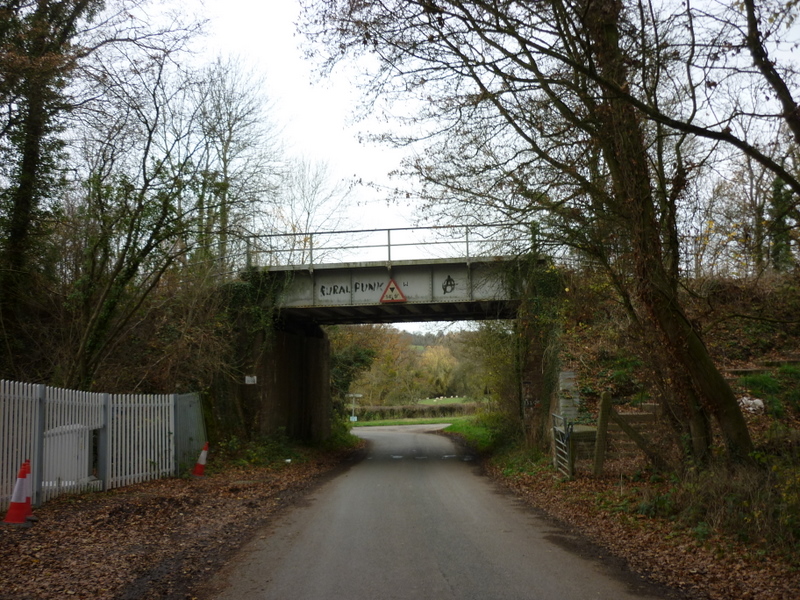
(250, 379)
(353, 419)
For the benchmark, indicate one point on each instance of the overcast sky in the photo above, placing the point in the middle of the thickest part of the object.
(316, 115)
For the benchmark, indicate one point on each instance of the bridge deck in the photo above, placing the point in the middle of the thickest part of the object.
(398, 292)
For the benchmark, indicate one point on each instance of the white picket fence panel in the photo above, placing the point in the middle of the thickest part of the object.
(79, 441)
(19, 404)
(141, 444)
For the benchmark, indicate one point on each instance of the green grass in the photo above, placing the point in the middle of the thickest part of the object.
(778, 390)
(487, 432)
(476, 434)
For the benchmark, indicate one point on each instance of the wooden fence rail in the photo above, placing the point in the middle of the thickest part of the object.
(608, 414)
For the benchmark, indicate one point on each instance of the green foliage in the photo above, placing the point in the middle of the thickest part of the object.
(341, 438)
(760, 384)
(252, 302)
(440, 400)
(496, 345)
(522, 461)
(261, 451)
(489, 432)
(346, 365)
(779, 391)
(421, 421)
(414, 411)
(438, 366)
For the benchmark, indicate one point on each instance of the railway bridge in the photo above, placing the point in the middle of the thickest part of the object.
(378, 276)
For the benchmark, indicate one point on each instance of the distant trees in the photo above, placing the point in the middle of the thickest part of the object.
(395, 374)
(385, 365)
(353, 351)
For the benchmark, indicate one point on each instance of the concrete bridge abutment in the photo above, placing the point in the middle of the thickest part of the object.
(294, 382)
(282, 386)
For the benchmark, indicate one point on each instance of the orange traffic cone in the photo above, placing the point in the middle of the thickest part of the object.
(20, 507)
(200, 467)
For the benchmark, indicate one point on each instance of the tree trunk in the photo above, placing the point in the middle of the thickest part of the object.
(699, 385)
(15, 276)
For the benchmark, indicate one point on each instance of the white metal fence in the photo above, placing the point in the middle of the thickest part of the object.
(78, 441)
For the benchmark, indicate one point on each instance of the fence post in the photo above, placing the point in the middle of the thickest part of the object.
(173, 438)
(103, 446)
(38, 458)
(602, 433)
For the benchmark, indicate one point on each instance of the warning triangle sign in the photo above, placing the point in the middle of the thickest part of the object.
(392, 293)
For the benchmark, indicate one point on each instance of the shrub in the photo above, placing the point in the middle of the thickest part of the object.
(261, 451)
(414, 411)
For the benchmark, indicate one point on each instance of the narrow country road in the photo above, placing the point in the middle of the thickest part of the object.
(415, 521)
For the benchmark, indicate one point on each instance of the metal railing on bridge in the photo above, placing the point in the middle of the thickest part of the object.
(388, 245)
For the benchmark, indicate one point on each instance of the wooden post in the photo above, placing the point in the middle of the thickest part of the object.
(602, 433)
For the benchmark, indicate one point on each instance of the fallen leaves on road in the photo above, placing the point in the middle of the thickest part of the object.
(165, 539)
(713, 569)
(159, 539)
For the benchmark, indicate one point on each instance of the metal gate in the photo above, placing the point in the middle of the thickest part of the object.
(562, 437)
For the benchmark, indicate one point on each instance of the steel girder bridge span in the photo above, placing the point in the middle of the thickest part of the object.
(440, 273)
(289, 380)
(397, 292)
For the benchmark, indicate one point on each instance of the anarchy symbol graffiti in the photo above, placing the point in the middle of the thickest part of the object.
(448, 285)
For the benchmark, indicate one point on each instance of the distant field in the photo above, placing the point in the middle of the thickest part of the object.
(456, 400)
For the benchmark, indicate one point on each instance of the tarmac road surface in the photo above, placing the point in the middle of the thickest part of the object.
(415, 520)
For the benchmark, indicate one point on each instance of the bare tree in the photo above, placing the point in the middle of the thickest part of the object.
(128, 210)
(582, 117)
(46, 44)
(241, 161)
(311, 203)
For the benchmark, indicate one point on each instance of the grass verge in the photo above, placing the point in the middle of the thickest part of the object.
(430, 421)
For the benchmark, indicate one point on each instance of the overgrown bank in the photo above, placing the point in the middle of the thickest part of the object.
(727, 530)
